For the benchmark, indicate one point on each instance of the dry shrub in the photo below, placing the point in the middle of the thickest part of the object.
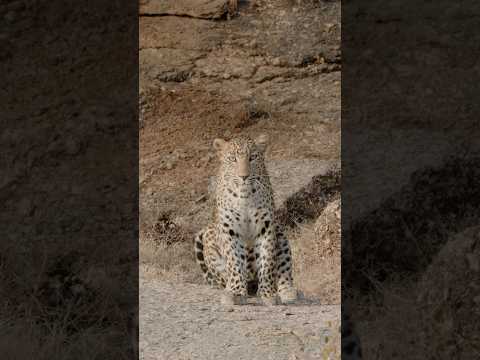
(253, 112)
(166, 231)
(166, 251)
(173, 262)
(308, 203)
(316, 253)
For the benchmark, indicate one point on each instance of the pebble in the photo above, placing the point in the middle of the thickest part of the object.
(276, 62)
(329, 26)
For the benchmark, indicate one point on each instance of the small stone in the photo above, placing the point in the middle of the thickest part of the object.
(329, 26)
(276, 62)
(226, 76)
(169, 165)
(182, 155)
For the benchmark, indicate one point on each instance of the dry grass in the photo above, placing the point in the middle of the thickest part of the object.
(316, 255)
(59, 303)
(432, 318)
(173, 262)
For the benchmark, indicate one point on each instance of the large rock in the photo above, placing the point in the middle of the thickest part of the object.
(328, 231)
(173, 32)
(316, 255)
(205, 9)
(167, 64)
(186, 321)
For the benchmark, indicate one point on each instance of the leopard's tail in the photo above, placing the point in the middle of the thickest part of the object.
(214, 272)
(198, 248)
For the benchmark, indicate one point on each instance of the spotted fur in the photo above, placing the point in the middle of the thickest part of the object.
(244, 248)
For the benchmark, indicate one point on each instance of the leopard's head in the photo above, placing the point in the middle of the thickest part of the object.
(242, 160)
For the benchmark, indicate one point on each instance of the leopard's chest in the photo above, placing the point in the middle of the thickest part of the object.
(244, 210)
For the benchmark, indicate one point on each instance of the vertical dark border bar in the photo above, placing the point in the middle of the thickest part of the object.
(69, 184)
(410, 167)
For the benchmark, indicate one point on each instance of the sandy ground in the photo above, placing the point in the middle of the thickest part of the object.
(194, 325)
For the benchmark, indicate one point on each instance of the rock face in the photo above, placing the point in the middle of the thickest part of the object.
(206, 9)
(185, 321)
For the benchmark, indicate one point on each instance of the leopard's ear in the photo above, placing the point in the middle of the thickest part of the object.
(219, 144)
(261, 142)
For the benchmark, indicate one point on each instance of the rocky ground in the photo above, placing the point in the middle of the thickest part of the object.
(273, 68)
(194, 325)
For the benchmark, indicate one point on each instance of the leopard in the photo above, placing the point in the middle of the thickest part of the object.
(244, 250)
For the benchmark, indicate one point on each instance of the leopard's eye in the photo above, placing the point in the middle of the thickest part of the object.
(231, 158)
(253, 157)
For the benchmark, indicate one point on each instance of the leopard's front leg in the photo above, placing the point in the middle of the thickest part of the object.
(266, 262)
(287, 292)
(236, 279)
